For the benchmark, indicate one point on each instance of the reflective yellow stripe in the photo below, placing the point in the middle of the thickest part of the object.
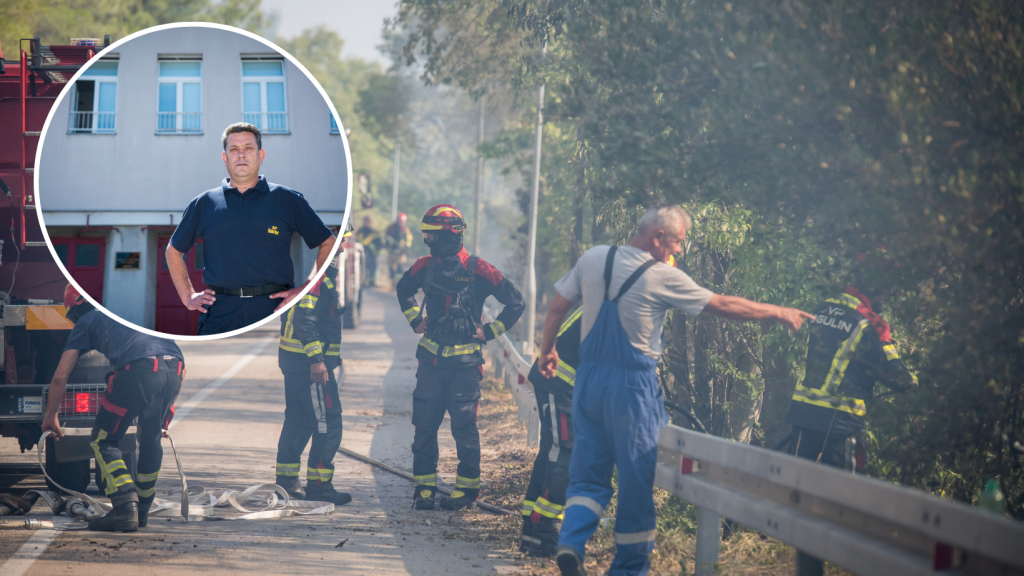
(527, 507)
(412, 313)
(497, 328)
(146, 493)
(853, 406)
(842, 359)
(429, 344)
(95, 444)
(122, 480)
(332, 353)
(313, 348)
(890, 352)
(426, 480)
(468, 483)
(328, 282)
(308, 301)
(545, 508)
(449, 351)
(845, 300)
(291, 345)
(288, 469)
(147, 477)
(568, 321)
(322, 474)
(566, 372)
(116, 465)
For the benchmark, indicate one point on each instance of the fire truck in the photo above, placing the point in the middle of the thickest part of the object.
(33, 329)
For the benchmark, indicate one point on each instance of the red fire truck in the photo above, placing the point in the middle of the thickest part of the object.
(33, 330)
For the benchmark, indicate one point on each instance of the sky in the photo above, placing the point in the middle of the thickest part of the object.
(358, 22)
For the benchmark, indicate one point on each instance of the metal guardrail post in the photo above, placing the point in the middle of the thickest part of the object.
(709, 540)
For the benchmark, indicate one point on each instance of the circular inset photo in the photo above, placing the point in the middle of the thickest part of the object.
(191, 179)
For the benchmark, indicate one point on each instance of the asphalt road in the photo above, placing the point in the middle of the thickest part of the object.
(228, 440)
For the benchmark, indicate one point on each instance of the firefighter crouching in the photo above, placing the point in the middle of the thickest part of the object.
(144, 383)
(849, 349)
(310, 350)
(544, 503)
(455, 286)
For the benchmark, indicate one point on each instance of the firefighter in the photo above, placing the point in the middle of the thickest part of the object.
(372, 243)
(144, 383)
(849, 349)
(398, 239)
(310, 350)
(544, 503)
(455, 286)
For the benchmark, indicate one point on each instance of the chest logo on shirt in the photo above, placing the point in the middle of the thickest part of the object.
(273, 230)
(469, 279)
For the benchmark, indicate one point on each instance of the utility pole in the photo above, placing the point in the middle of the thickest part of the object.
(477, 219)
(531, 254)
(394, 185)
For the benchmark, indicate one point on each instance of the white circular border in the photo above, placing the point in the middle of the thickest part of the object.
(65, 91)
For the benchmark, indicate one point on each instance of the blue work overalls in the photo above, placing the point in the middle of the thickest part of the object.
(618, 409)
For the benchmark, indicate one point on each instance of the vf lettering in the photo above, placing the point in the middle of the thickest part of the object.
(833, 322)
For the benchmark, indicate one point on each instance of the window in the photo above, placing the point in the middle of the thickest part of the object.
(264, 103)
(179, 105)
(94, 100)
(83, 258)
(334, 124)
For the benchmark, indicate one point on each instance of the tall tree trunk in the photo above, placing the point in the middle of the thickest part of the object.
(576, 250)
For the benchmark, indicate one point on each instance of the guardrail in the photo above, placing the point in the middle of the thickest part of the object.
(858, 523)
(512, 368)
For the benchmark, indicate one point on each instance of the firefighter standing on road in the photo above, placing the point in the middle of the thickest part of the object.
(372, 242)
(544, 503)
(145, 381)
(310, 350)
(455, 286)
(849, 349)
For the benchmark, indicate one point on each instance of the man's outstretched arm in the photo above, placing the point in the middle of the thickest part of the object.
(58, 386)
(736, 308)
(179, 275)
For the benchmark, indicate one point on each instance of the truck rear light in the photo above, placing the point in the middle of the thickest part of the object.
(82, 401)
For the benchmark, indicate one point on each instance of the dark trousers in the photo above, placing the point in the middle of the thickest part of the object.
(311, 411)
(145, 388)
(545, 495)
(233, 312)
(457, 391)
(808, 444)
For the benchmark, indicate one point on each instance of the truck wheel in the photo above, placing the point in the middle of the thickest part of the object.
(352, 315)
(131, 460)
(70, 475)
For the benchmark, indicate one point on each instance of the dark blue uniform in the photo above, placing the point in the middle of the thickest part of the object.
(144, 383)
(247, 245)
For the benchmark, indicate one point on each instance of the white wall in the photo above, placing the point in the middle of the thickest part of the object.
(138, 171)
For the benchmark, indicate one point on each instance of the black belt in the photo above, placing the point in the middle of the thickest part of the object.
(249, 292)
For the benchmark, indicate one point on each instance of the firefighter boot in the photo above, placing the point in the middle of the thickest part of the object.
(123, 518)
(527, 539)
(424, 497)
(144, 513)
(545, 538)
(325, 492)
(461, 498)
(569, 561)
(292, 485)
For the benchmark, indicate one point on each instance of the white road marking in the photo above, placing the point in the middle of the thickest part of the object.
(20, 562)
(186, 407)
(37, 543)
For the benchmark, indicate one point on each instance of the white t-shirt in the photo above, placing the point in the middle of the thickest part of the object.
(642, 309)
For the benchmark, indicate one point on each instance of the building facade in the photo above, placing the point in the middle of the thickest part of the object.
(139, 136)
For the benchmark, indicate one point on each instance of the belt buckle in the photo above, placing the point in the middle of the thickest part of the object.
(241, 293)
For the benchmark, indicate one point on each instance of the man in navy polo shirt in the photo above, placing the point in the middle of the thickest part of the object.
(246, 225)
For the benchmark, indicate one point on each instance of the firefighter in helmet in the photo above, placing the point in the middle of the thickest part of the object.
(455, 285)
(849, 349)
(310, 350)
(146, 379)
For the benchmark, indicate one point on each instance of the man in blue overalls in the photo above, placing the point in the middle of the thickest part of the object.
(618, 405)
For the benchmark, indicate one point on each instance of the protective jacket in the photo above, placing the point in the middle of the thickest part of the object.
(311, 330)
(849, 349)
(452, 273)
(568, 346)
